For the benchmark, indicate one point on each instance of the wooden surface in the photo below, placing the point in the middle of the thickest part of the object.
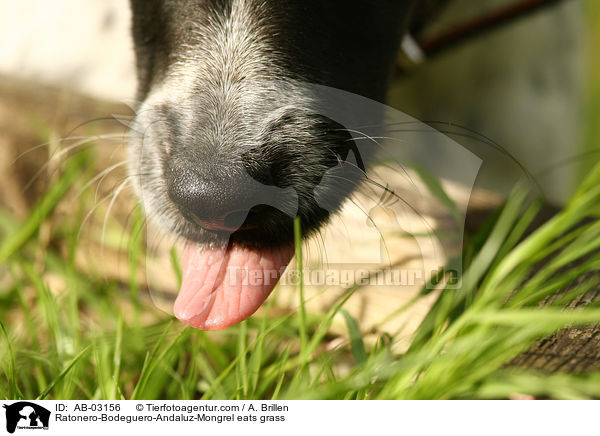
(570, 350)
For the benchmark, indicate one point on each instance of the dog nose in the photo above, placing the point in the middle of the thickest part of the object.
(215, 204)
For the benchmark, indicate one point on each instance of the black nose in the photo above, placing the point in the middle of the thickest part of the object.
(223, 203)
(213, 204)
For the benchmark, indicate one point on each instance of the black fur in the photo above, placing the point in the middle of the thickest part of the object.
(220, 110)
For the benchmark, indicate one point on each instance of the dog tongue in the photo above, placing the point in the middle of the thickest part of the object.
(224, 286)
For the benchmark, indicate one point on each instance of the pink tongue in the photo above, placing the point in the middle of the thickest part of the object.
(224, 286)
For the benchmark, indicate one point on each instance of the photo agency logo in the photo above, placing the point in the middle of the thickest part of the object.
(26, 416)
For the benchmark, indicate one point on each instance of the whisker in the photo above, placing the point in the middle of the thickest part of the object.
(61, 153)
(110, 206)
(385, 198)
(113, 117)
(109, 141)
(397, 198)
(370, 218)
(49, 143)
(471, 134)
(101, 176)
(127, 177)
(567, 161)
(430, 230)
(91, 212)
(323, 249)
(374, 139)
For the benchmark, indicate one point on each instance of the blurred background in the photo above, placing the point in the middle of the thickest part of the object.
(83, 45)
(523, 86)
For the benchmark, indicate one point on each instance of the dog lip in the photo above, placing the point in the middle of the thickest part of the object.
(220, 227)
(216, 226)
(223, 223)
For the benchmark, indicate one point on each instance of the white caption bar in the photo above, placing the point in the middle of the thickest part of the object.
(274, 417)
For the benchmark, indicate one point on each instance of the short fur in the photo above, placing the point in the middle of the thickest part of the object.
(220, 108)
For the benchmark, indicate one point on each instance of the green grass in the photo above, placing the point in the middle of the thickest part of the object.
(103, 339)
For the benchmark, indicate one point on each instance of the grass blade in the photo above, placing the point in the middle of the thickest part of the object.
(13, 388)
(356, 340)
(63, 373)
